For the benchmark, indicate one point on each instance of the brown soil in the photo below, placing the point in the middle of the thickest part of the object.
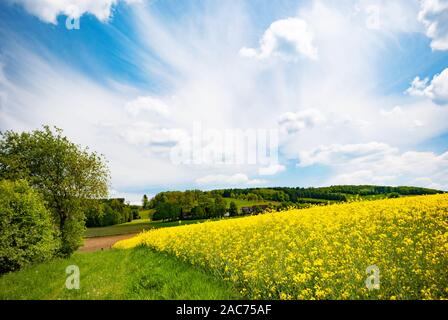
(102, 243)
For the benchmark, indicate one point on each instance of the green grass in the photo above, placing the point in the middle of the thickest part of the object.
(135, 226)
(367, 197)
(146, 214)
(316, 201)
(248, 203)
(138, 273)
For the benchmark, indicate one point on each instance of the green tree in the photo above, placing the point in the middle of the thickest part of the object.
(145, 202)
(27, 233)
(198, 212)
(111, 216)
(220, 207)
(94, 213)
(63, 172)
(233, 209)
(393, 195)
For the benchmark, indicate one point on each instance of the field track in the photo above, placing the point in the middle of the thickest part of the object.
(102, 243)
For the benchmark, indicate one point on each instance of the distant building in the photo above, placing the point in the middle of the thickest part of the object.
(254, 209)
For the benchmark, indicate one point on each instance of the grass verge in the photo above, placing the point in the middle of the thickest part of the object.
(139, 273)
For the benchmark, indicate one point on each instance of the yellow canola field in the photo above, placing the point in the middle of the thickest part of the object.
(322, 252)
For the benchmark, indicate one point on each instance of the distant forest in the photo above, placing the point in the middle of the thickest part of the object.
(196, 204)
(107, 212)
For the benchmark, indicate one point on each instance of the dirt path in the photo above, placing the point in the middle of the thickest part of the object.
(102, 243)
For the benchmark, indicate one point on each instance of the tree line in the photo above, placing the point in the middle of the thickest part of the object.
(107, 212)
(332, 193)
(192, 204)
(196, 204)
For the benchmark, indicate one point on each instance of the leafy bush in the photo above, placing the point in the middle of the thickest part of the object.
(393, 195)
(67, 175)
(27, 232)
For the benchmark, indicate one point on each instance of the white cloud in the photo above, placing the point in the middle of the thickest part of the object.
(390, 16)
(434, 15)
(271, 170)
(93, 115)
(293, 122)
(286, 38)
(398, 112)
(144, 133)
(134, 198)
(418, 87)
(379, 163)
(362, 177)
(210, 84)
(147, 104)
(222, 179)
(436, 89)
(395, 112)
(49, 10)
(337, 154)
(425, 169)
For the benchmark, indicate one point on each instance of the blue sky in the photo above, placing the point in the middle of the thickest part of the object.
(356, 90)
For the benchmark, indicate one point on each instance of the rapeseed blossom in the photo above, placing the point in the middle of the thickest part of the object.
(322, 252)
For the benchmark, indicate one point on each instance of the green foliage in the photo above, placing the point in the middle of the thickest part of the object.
(188, 205)
(393, 195)
(195, 204)
(233, 209)
(63, 172)
(108, 212)
(145, 214)
(167, 211)
(135, 212)
(145, 202)
(332, 193)
(27, 233)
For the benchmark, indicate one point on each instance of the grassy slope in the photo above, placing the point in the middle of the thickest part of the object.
(248, 203)
(116, 274)
(146, 214)
(134, 227)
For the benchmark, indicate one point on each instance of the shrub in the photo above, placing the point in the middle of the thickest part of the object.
(233, 209)
(66, 175)
(393, 195)
(27, 233)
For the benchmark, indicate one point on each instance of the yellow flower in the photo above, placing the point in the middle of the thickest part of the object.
(279, 254)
